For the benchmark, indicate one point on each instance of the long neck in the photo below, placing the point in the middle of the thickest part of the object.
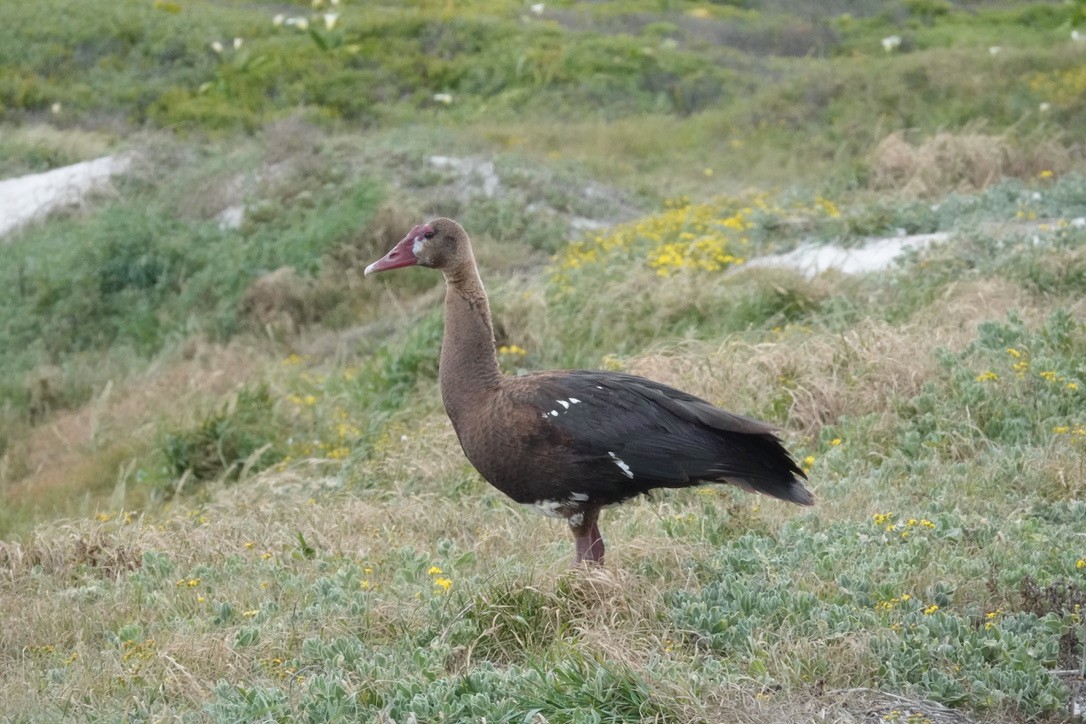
(469, 363)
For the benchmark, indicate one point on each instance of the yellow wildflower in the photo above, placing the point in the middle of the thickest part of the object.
(434, 570)
(931, 609)
(988, 376)
(443, 583)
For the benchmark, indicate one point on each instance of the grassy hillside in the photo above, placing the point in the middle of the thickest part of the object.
(228, 489)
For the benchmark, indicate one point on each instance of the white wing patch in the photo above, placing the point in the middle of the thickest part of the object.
(549, 508)
(565, 405)
(621, 465)
(557, 508)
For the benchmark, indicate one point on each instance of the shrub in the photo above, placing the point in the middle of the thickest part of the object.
(243, 435)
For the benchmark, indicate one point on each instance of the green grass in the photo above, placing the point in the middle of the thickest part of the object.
(232, 502)
(939, 564)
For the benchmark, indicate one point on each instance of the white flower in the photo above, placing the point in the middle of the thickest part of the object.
(237, 43)
(278, 19)
(1044, 107)
(330, 20)
(300, 23)
(216, 46)
(55, 108)
(1077, 36)
(537, 8)
(334, 2)
(995, 50)
(891, 42)
(445, 98)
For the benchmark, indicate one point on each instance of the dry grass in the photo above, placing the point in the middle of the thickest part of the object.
(57, 146)
(857, 372)
(73, 452)
(963, 162)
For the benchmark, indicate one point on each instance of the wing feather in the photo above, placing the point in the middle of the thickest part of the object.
(666, 437)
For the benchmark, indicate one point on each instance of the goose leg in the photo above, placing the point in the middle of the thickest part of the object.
(587, 538)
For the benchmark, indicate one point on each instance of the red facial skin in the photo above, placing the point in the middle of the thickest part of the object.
(403, 254)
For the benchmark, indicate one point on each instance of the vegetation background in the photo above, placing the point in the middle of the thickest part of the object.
(228, 490)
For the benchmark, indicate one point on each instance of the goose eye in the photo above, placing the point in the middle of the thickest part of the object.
(428, 235)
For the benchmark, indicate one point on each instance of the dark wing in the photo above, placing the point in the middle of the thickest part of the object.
(627, 435)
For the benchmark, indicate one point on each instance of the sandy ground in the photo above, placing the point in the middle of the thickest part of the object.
(25, 198)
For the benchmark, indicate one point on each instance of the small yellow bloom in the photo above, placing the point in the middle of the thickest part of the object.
(809, 460)
(443, 583)
(930, 609)
(835, 441)
(250, 614)
(434, 570)
(988, 376)
(1072, 386)
(1080, 563)
(1013, 352)
(1045, 174)
(1061, 430)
